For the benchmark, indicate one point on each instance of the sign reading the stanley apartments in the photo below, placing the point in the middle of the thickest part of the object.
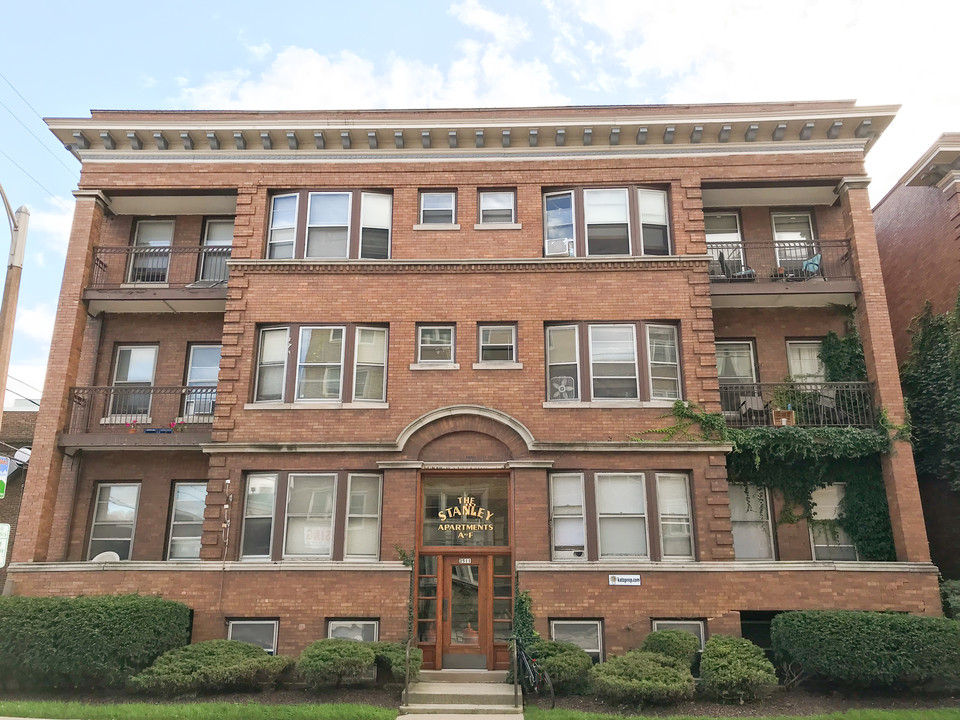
(465, 518)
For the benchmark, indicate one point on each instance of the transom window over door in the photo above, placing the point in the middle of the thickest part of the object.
(465, 511)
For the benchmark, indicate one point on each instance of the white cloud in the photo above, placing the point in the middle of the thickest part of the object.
(36, 322)
(49, 226)
(505, 29)
(259, 52)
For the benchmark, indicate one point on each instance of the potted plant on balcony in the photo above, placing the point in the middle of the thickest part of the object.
(132, 426)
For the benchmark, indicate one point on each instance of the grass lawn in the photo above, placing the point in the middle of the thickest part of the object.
(195, 711)
(537, 714)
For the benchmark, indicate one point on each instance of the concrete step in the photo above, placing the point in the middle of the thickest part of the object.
(475, 712)
(454, 716)
(464, 676)
(452, 693)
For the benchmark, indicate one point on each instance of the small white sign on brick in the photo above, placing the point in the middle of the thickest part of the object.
(624, 580)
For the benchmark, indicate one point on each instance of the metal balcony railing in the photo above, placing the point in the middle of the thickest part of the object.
(175, 267)
(747, 262)
(809, 404)
(140, 408)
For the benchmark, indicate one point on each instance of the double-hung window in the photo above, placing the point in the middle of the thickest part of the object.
(258, 510)
(435, 343)
(793, 240)
(327, 225)
(133, 375)
(186, 521)
(830, 541)
(217, 242)
(622, 515)
(567, 516)
(498, 344)
(803, 361)
(676, 524)
(563, 362)
(363, 517)
(202, 373)
(438, 207)
(736, 372)
(114, 519)
(750, 518)
(664, 362)
(497, 207)
(150, 257)
(614, 221)
(307, 363)
(724, 243)
(613, 361)
(309, 517)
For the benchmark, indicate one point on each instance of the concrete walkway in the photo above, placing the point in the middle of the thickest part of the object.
(460, 695)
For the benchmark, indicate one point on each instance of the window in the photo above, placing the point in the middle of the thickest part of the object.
(438, 208)
(830, 541)
(498, 343)
(363, 517)
(311, 522)
(332, 228)
(257, 540)
(319, 373)
(622, 515)
(612, 221)
(358, 631)
(676, 525)
(585, 634)
(803, 361)
(750, 517)
(793, 240)
(217, 241)
(202, 372)
(150, 256)
(735, 369)
(694, 627)
(114, 520)
(258, 632)
(723, 236)
(186, 521)
(132, 378)
(612, 356)
(497, 207)
(435, 343)
(567, 517)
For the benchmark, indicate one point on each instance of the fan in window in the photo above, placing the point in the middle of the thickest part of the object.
(562, 388)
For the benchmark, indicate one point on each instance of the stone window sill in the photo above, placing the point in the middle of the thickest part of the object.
(435, 366)
(498, 366)
(437, 226)
(373, 405)
(498, 226)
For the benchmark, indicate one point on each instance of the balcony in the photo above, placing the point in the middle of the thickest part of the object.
(808, 404)
(139, 416)
(747, 274)
(158, 279)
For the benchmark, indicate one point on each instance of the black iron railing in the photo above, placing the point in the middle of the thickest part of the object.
(140, 408)
(836, 404)
(178, 267)
(748, 262)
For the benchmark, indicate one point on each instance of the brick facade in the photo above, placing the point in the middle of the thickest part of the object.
(16, 431)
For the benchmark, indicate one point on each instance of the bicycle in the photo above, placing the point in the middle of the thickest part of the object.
(533, 677)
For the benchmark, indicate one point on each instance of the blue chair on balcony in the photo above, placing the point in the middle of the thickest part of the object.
(811, 267)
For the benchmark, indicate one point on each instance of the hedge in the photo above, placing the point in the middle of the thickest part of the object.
(89, 642)
(391, 658)
(734, 669)
(950, 595)
(210, 667)
(331, 661)
(642, 678)
(867, 649)
(677, 644)
(567, 665)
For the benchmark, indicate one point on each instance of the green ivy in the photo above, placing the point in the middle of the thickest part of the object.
(523, 614)
(842, 357)
(409, 561)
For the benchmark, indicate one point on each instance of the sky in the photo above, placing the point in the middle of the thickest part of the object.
(60, 59)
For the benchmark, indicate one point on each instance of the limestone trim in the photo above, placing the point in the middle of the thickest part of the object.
(648, 447)
(209, 566)
(453, 410)
(608, 566)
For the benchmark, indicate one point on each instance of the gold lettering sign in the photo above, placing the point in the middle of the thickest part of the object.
(465, 518)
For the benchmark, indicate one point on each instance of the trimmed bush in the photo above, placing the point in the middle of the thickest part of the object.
(568, 665)
(639, 678)
(950, 595)
(867, 649)
(734, 669)
(330, 662)
(677, 644)
(89, 642)
(391, 660)
(210, 667)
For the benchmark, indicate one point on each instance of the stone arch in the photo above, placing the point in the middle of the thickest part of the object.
(496, 436)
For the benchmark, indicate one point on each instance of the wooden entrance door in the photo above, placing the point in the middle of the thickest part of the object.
(466, 623)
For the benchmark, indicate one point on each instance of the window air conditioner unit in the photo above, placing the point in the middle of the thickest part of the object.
(560, 246)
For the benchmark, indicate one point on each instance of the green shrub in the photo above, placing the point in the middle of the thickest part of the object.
(210, 667)
(677, 644)
(732, 668)
(642, 678)
(391, 658)
(950, 595)
(867, 649)
(568, 665)
(89, 642)
(330, 662)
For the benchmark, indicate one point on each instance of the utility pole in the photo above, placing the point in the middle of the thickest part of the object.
(11, 288)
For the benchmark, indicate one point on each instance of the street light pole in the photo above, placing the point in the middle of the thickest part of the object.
(11, 288)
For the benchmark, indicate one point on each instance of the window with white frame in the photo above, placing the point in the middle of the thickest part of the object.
(114, 519)
(358, 631)
(607, 218)
(735, 364)
(309, 516)
(804, 363)
(497, 207)
(558, 227)
(202, 373)
(498, 343)
(258, 509)
(664, 360)
(328, 225)
(830, 541)
(694, 627)
(585, 634)
(150, 256)
(257, 632)
(750, 517)
(794, 242)
(438, 208)
(186, 521)
(217, 241)
(676, 523)
(319, 373)
(363, 517)
(621, 515)
(654, 226)
(376, 221)
(132, 379)
(563, 363)
(724, 241)
(435, 343)
(613, 361)
(282, 235)
(567, 517)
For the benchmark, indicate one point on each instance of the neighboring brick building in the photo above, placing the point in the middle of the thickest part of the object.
(440, 332)
(918, 233)
(16, 431)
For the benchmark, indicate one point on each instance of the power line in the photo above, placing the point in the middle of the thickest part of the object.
(23, 396)
(42, 144)
(21, 96)
(40, 184)
(11, 377)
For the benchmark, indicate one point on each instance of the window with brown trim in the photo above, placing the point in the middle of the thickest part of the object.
(602, 221)
(321, 363)
(330, 225)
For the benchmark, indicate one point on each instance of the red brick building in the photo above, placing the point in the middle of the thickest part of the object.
(441, 331)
